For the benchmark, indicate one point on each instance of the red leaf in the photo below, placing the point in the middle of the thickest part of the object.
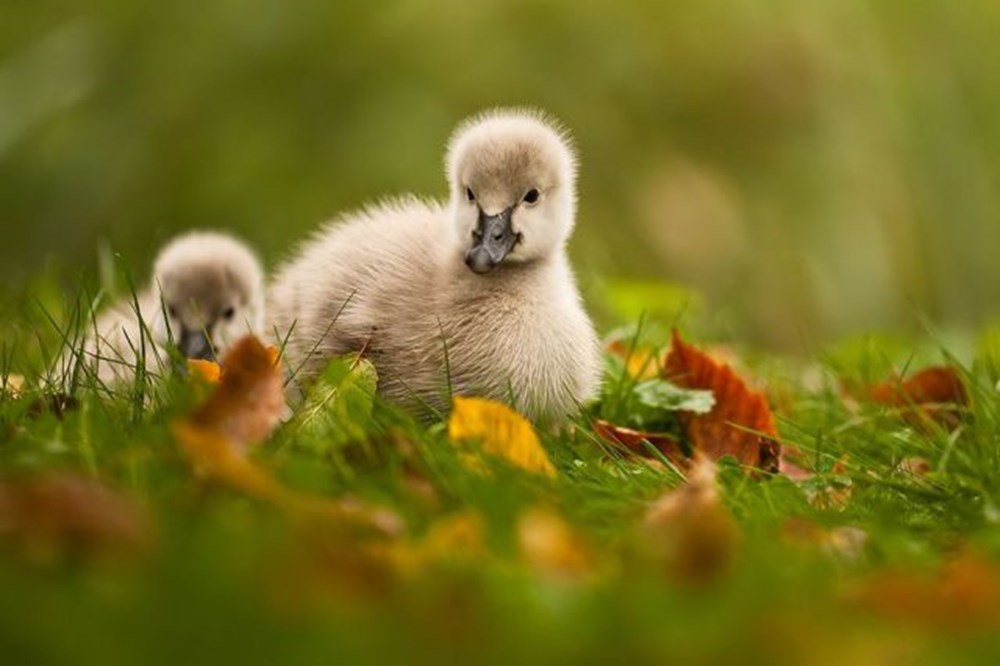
(634, 441)
(740, 424)
(934, 394)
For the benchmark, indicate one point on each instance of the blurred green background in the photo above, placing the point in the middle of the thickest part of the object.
(811, 168)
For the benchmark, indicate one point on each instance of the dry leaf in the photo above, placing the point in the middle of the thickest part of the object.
(915, 466)
(838, 493)
(963, 594)
(249, 400)
(740, 424)
(635, 442)
(243, 410)
(933, 395)
(549, 546)
(59, 515)
(459, 537)
(501, 431)
(690, 531)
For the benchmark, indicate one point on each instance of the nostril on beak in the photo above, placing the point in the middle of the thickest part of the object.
(497, 235)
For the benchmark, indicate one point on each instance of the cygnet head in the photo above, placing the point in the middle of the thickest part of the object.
(512, 175)
(212, 291)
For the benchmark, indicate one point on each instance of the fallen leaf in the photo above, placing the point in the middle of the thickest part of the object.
(549, 546)
(58, 515)
(249, 399)
(456, 538)
(243, 410)
(206, 371)
(962, 594)
(932, 395)
(740, 424)
(215, 457)
(636, 442)
(689, 530)
(501, 431)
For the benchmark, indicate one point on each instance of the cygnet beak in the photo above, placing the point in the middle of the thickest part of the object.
(492, 240)
(196, 345)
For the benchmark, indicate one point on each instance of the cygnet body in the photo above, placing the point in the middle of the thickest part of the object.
(471, 297)
(207, 291)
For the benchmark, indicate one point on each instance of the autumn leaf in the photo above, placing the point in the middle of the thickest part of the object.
(243, 410)
(689, 531)
(249, 400)
(637, 441)
(962, 594)
(740, 424)
(58, 515)
(935, 394)
(501, 431)
(549, 546)
(206, 371)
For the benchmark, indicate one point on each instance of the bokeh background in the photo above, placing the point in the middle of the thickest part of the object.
(809, 169)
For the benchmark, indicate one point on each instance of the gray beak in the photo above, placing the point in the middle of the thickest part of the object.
(196, 345)
(492, 240)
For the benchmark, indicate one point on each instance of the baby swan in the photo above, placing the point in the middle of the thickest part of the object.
(207, 292)
(471, 297)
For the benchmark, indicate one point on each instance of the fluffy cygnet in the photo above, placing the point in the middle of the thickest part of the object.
(474, 296)
(207, 291)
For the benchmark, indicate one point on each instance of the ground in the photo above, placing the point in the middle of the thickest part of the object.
(358, 534)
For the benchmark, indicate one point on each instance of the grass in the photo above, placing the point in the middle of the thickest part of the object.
(225, 577)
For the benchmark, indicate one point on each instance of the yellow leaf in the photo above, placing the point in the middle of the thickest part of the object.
(550, 546)
(215, 457)
(501, 431)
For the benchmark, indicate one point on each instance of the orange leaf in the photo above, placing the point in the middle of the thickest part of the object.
(963, 594)
(249, 400)
(208, 371)
(57, 515)
(933, 394)
(740, 424)
(635, 441)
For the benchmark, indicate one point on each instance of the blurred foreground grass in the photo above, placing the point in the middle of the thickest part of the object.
(434, 561)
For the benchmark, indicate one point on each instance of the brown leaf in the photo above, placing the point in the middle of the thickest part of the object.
(58, 515)
(690, 531)
(740, 424)
(249, 400)
(932, 395)
(634, 441)
(963, 594)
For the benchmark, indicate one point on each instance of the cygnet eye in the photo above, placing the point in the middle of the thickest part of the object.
(172, 311)
(229, 313)
(531, 196)
(469, 194)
